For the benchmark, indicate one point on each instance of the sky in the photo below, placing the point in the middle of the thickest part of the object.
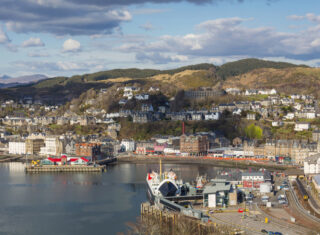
(69, 37)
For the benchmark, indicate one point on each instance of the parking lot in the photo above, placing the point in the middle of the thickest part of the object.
(253, 223)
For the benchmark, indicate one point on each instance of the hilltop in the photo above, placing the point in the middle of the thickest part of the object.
(243, 73)
(301, 80)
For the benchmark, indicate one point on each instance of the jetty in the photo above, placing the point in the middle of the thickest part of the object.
(65, 168)
(106, 161)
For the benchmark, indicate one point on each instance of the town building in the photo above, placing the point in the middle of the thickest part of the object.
(53, 146)
(194, 144)
(316, 183)
(302, 126)
(17, 147)
(88, 150)
(219, 192)
(312, 165)
(33, 146)
(203, 93)
(251, 116)
(255, 179)
(128, 145)
(141, 117)
(212, 116)
(316, 135)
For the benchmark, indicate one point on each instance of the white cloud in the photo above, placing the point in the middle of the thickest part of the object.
(295, 17)
(3, 36)
(148, 11)
(67, 66)
(228, 37)
(161, 58)
(71, 45)
(147, 26)
(309, 16)
(33, 42)
(315, 43)
(38, 54)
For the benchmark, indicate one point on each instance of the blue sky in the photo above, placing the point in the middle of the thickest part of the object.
(68, 37)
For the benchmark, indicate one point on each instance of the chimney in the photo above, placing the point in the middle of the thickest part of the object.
(183, 128)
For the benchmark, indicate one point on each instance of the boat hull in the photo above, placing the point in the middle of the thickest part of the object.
(150, 195)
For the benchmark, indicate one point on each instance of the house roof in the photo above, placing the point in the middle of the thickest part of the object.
(317, 179)
(214, 187)
(312, 159)
(252, 173)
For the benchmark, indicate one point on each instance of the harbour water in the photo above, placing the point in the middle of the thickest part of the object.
(78, 203)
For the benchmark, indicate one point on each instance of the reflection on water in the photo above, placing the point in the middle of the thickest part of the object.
(78, 203)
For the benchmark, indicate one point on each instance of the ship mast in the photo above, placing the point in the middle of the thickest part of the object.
(160, 169)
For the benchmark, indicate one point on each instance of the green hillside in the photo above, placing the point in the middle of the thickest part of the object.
(246, 65)
(116, 73)
(62, 89)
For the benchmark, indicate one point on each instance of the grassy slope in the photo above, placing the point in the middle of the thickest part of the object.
(289, 80)
(246, 65)
(250, 74)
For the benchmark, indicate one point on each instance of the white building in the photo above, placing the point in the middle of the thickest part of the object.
(251, 116)
(277, 123)
(295, 96)
(251, 92)
(267, 92)
(289, 116)
(128, 145)
(233, 91)
(142, 97)
(252, 176)
(112, 115)
(301, 126)
(237, 111)
(297, 106)
(17, 147)
(52, 146)
(212, 116)
(312, 164)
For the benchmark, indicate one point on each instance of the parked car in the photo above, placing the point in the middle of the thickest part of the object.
(264, 231)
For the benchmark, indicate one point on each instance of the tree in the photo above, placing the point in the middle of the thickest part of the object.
(254, 132)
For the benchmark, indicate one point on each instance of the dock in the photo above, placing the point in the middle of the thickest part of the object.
(65, 168)
(107, 161)
(171, 222)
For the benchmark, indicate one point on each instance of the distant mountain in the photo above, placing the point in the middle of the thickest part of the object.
(7, 85)
(5, 79)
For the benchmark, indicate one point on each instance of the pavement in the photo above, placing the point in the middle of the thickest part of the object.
(253, 223)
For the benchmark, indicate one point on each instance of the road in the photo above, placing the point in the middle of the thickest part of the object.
(300, 212)
(311, 199)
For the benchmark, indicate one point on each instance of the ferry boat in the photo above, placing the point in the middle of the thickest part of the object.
(162, 185)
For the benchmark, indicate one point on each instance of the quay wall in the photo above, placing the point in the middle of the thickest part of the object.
(201, 160)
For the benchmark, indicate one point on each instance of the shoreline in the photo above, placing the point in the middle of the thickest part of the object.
(175, 160)
(212, 162)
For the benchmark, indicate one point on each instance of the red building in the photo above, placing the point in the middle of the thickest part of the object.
(88, 150)
(254, 179)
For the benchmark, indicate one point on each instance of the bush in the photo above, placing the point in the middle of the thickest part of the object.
(253, 132)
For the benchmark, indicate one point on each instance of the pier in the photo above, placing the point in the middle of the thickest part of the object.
(170, 222)
(106, 161)
(65, 168)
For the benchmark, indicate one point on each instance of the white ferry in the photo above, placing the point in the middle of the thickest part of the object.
(162, 185)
